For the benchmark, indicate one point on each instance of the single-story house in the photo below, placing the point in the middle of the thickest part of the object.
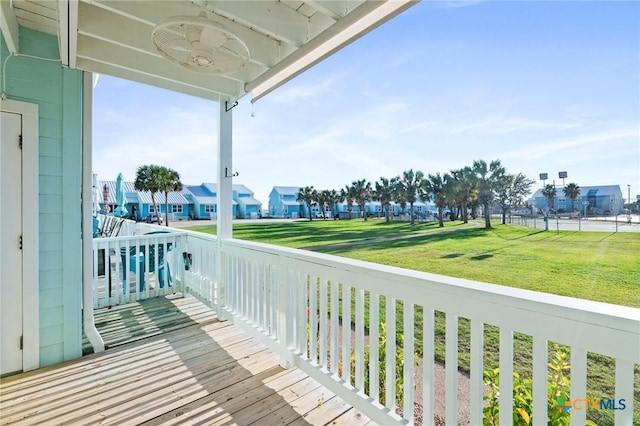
(139, 203)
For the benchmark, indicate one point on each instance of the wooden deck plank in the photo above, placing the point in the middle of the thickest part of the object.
(352, 417)
(171, 361)
(129, 380)
(296, 408)
(222, 404)
(103, 375)
(324, 413)
(111, 361)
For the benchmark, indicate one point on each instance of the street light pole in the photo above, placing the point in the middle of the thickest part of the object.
(628, 203)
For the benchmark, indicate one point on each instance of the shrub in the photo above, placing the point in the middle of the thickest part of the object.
(558, 388)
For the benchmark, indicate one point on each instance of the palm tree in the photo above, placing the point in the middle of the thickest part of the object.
(384, 194)
(333, 199)
(398, 193)
(487, 178)
(169, 181)
(322, 199)
(348, 194)
(308, 195)
(572, 191)
(362, 194)
(410, 184)
(436, 185)
(549, 192)
(148, 179)
(466, 192)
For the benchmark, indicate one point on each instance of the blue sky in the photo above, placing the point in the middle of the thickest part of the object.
(543, 86)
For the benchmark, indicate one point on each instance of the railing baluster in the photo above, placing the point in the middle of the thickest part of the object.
(451, 380)
(540, 369)
(313, 318)
(96, 250)
(346, 333)
(477, 371)
(578, 384)
(390, 389)
(408, 367)
(305, 314)
(323, 323)
(428, 372)
(359, 352)
(624, 390)
(335, 327)
(374, 346)
(506, 377)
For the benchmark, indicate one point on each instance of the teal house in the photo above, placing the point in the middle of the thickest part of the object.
(203, 201)
(593, 200)
(283, 202)
(139, 203)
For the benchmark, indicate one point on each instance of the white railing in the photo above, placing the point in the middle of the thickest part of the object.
(325, 315)
(201, 264)
(299, 303)
(132, 268)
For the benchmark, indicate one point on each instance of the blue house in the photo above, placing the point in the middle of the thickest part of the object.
(139, 203)
(283, 202)
(204, 202)
(593, 200)
(248, 206)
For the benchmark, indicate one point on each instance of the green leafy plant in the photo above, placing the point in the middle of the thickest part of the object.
(558, 388)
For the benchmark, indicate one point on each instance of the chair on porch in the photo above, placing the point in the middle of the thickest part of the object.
(137, 260)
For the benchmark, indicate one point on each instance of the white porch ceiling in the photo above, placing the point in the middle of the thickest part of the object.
(284, 37)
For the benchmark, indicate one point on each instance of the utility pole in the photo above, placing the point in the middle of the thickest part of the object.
(628, 203)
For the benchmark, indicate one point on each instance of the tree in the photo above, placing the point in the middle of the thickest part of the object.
(384, 194)
(148, 179)
(465, 189)
(572, 191)
(436, 185)
(362, 194)
(322, 199)
(169, 181)
(503, 188)
(348, 194)
(398, 193)
(487, 178)
(409, 184)
(549, 192)
(333, 199)
(308, 195)
(520, 189)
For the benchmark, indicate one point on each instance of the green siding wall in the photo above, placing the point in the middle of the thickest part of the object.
(58, 93)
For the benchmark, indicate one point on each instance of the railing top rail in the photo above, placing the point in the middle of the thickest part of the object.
(140, 237)
(592, 325)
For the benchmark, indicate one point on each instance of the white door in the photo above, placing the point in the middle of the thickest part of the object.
(10, 250)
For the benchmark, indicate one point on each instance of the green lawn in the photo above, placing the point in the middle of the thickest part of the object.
(305, 234)
(597, 266)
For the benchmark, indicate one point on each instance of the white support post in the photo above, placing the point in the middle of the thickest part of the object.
(87, 219)
(225, 169)
(224, 194)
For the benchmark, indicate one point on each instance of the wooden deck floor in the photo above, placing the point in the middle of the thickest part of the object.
(170, 361)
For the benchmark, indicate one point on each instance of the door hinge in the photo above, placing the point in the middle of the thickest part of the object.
(21, 342)
(20, 141)
(20, 243)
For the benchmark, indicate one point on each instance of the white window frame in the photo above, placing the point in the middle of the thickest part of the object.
(176, 208)
(208, 208)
